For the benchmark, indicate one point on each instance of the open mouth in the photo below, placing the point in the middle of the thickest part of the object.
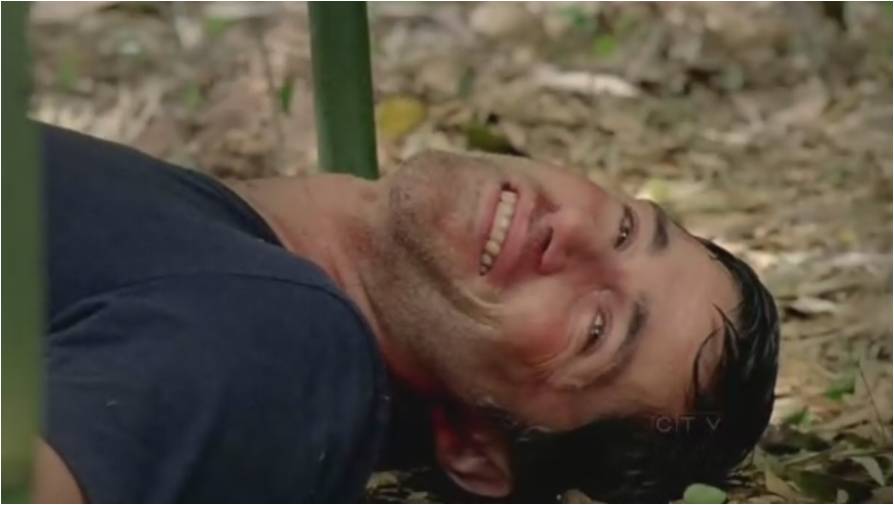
(499, 229)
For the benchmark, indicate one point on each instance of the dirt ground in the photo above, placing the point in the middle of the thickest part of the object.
(764, 126)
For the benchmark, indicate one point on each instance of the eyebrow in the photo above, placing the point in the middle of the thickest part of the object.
(627, 348)
(638, 320)
(660, 237)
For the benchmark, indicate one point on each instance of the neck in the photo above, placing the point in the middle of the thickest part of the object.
(332, 220)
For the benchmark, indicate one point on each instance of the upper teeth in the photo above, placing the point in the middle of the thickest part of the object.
(498, 230)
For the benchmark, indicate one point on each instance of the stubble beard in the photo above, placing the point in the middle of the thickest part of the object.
(417, 297)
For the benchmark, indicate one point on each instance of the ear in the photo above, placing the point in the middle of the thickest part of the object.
(472, 452)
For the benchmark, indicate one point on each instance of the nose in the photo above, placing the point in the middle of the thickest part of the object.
(576, 240)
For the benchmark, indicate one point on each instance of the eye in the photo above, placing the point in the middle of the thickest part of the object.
(625, 229)
(594, 335)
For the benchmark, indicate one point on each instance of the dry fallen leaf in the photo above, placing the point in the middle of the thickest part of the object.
(397, 116)
(584, 82)
(872, 468)
(779, 487)
(382, 479)
(782, 156)
(810, 305)
(576, 496)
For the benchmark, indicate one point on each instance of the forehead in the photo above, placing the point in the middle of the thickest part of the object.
(687, 297)
(479, 160)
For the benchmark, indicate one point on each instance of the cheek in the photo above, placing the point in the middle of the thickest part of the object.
(442, 220)
(537, 337)
(538, 321)
(454, 226)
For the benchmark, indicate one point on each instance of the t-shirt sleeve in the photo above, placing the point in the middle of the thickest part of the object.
(215, 389)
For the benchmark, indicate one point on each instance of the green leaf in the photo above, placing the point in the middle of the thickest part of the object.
(824, 486)
(481, 138)
(703, 493)
(285, 94)
(192, 96)
(69, 70)
(604, 45)
(842, 386)
(796, 418)
(215, 26)
(578, 18)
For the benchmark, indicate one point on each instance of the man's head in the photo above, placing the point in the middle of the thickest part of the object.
(529, 291)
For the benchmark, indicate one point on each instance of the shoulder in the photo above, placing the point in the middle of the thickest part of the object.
(260, 387)
(226, 309)
(273, 332)
(206, 329)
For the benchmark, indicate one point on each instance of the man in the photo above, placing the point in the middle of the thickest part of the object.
(273, 340)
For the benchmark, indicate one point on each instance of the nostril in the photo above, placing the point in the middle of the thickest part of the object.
(548, 237)
(548, 256)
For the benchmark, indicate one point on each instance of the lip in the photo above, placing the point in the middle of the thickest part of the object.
(515, 237)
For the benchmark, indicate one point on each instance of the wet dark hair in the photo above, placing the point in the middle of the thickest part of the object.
(654, 458)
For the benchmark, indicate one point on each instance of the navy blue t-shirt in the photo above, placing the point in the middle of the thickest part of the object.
(189, 356)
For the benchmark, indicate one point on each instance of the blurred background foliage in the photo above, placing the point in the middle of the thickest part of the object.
(766, 126)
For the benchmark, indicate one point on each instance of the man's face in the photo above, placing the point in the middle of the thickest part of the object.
(584, 305)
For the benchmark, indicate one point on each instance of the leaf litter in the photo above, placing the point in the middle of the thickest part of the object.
(764, 126)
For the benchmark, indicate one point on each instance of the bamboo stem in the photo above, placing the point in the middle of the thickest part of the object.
(346, 136)
(23, 280)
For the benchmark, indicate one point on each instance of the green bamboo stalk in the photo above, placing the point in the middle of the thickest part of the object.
(22, 286)
(346, 135)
